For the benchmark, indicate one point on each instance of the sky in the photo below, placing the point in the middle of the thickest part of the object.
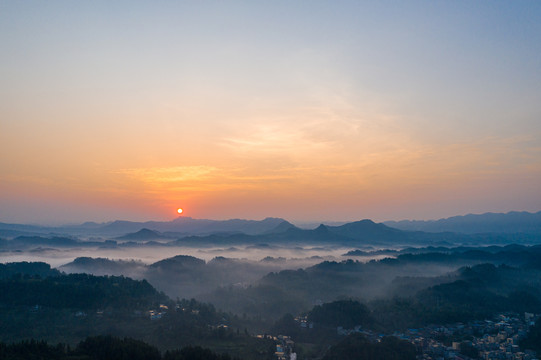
(305, 110)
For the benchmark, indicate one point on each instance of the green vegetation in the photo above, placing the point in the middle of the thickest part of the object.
(108, 347)
(102, 348)
(345, 313)
(356, 347)
(40, 269)
(78, 291)
(472, 292)
(533, 339)
(68, 308)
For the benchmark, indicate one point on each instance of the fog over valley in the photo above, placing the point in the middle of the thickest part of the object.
(205, 280)
(237, 254)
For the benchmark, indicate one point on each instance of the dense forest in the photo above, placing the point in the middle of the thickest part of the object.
(357, 346)
(533, 339)
(434, 281)
(67, 308)
(109, 348)
(103, 348)
(79, 291)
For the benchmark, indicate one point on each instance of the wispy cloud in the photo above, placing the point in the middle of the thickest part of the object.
(169, 174)
(275, 139)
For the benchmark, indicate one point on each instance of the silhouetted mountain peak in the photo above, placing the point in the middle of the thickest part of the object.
(365, 225)
(321, 229)
(368, 230)
(282, 227)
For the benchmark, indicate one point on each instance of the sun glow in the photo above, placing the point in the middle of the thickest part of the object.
(179, 211)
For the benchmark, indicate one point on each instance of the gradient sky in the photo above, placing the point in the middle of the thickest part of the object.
(307, 110)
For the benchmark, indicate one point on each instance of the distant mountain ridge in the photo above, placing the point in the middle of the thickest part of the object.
(188, 225)
(504, 223)
(181, 226)
(143, 234)
(359, 233)
(489, 228)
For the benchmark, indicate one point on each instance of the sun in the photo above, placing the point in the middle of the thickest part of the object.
(179, 211)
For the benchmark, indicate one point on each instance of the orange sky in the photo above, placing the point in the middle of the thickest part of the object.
(326, 116)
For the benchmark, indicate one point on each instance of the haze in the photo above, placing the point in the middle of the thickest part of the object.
(307, 111)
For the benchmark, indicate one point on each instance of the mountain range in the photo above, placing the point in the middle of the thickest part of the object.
(181, 226)
(511, 222)
(517, 227)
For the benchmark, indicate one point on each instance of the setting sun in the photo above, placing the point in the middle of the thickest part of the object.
(179, 210)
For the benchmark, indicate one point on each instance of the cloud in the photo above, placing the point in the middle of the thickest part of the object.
(169, 174)
(275, 139)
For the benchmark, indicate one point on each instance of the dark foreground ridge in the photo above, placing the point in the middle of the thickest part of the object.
(103, 348)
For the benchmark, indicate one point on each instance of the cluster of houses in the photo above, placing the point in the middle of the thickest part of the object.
(496, 339)
(284, 346)
(491, 340)
(303, 322)
(159, 313)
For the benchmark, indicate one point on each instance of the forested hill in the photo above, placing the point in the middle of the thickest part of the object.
(103, 348)
(78, 291)
(40, 269)
(30, 284)
(69, 308)
(404, 276)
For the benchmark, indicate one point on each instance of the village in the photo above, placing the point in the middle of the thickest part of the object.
(489, 339)
(496, 339)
